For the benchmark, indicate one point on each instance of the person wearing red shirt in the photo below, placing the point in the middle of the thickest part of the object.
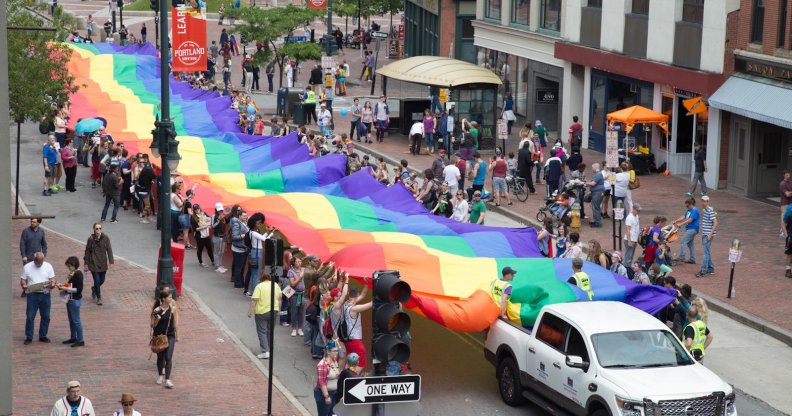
(498, 169)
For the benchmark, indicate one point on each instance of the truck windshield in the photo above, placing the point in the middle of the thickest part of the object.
(639, 349)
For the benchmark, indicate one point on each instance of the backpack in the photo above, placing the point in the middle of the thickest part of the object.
(643, 239)
(343, 329)
(577, 137)
(467, 140)
(327, 326)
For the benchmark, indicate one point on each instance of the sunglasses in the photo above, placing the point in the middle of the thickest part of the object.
(127, 403)
(97, 228)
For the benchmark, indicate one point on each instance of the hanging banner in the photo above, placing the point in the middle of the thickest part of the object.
(188, 36)
(317, 4)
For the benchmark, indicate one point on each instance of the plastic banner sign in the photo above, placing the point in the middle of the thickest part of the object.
(188, 35)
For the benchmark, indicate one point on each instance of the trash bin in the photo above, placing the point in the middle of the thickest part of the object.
(281, 102)
(297, 113)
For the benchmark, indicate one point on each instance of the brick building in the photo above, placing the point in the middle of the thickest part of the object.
(753, 107)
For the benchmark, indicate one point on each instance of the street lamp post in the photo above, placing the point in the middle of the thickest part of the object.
(164, 145)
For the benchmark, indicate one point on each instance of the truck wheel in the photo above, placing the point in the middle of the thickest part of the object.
(509, 382)
(600, 412)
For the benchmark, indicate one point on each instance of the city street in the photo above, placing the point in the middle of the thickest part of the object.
(456, 378)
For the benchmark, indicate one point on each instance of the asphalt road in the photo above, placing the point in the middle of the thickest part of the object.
(456, 378)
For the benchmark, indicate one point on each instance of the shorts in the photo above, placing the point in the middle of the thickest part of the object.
(498, 185)
(356, 346)
(53, 169)
(788, 245)
(184, 221)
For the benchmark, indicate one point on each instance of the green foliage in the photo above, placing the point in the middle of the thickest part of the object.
(368, 8)
(269, 26)
(212, 6)
(39, 74)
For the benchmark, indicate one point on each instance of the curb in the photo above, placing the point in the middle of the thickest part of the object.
(748, 319)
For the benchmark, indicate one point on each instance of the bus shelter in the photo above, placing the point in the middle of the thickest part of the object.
(472, 89)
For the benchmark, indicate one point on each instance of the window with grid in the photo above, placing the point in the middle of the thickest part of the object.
(757, 21)
(640, 7)
(493, 9)
(521, 12)
(551, 15)
(693, 11)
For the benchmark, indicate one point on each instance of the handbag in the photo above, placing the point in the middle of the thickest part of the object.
(253, 260)
(587, 198)
(634, 184)
(160, 343)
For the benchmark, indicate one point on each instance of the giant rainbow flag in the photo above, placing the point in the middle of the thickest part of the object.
(354, 221)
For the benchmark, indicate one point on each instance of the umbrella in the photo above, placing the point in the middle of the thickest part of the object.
(88, 125)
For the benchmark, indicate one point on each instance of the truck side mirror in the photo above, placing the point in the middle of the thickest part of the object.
(576, 361)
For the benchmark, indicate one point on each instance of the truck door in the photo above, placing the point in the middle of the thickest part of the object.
(546, 357)
(576, 382)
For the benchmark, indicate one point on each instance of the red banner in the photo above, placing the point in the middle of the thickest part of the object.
(188, 35)
(317, 4)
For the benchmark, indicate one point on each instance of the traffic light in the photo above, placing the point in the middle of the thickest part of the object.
(154, 5)
(120, 3)
(389, 322)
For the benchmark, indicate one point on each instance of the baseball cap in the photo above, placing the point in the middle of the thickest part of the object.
(508, 270)
(335, 292)
(219, 206)
(441, 152)
(705, 198)
(72, 384)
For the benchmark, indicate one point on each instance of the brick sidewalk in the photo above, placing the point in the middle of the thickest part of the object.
(211, 378)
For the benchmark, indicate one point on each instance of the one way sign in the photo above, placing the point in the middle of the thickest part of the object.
(382, 389)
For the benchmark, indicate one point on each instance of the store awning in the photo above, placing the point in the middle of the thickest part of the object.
(438, 71)
(755, 98)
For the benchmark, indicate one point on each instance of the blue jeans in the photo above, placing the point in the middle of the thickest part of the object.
(687, 243)
(236, 268)
(78, 144)
(254, 270)
(629, 253)
(706, 264)
(429, 140)
(316, 350)
(322, 408)
(75, 324)
(98, 278)
(269, 81)
(116, 200)
(37, 302)
(596, 203)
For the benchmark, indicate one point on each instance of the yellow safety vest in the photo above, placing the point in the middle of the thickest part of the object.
(582, 281)
(497, 287)
(699, 336)
(311, 98)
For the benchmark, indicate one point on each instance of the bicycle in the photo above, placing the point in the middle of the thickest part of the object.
(518, 186)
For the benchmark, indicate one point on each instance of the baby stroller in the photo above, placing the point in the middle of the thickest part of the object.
(557, 206)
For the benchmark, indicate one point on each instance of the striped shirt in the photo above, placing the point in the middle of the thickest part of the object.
(708, 217)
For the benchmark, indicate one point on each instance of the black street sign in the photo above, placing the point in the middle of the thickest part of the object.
(391, 389)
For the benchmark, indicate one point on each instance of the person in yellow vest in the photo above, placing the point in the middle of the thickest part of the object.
(697, 335)
(501, 289)
(580, 278)
(309, 105)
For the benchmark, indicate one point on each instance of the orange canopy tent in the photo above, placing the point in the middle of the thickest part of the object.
(638, 115)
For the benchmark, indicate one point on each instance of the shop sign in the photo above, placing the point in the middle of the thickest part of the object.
(502, 129)
(546, 96)
(612, 149)
(764, 69)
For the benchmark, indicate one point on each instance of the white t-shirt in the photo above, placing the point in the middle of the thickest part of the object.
(34, 275)
(450, 174)
(621, 184)
(460, 211)
(634, 223)
(417, 128)
(324, 117)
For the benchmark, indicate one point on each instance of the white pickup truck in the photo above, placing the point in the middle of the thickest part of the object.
(603, 359)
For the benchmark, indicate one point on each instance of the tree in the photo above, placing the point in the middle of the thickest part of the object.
(45, 80)
(269, 26)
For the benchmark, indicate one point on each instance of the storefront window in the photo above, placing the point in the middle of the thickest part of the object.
(493, 9)
(550, 18)
(521, 12)
(667, 108)
(693, 11)
(521, 97)
(597, 104)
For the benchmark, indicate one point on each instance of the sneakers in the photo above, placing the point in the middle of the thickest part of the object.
(69, 341)
(248, 294)
(160, 379)
(688, 194)
(294, 333)
(703, 194)
(285, 324)
(46, 192)
(788, 273)
(204, 265)
(78, 344)
(168, 384)
(114, 221)
(221, 269)
(144, 222)
(44, 340)
(300, 332)
(700, 274)
(263, 356)
(99, 301)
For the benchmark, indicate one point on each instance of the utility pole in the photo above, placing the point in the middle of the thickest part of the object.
(6, 385)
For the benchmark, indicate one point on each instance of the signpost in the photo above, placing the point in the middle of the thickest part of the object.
(735, 254)
(612, 149)
(392, 389)
(379, 35)
(502, 133)
(328, 62)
